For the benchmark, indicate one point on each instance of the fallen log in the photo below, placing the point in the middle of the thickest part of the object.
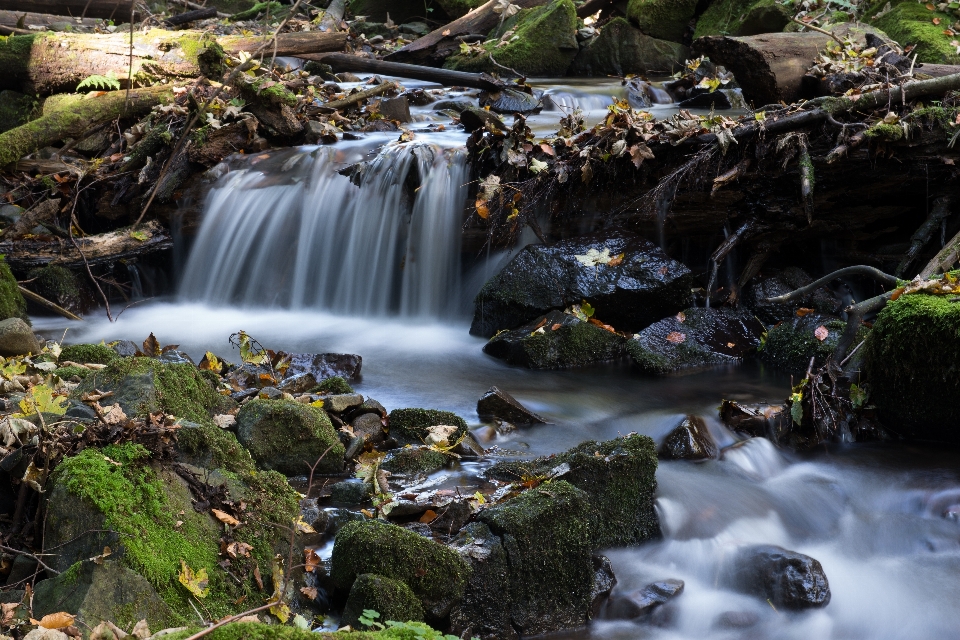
(98, 249)
(12, 19)
(480, 20)
(333, 16)
(360, 96)
(46, 63)
(13, 31)
(118, 10)
(190, 16)
(30, 295)
(73, 121)
(347, 62)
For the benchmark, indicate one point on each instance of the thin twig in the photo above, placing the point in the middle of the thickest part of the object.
(314, 467)
(30, 555)
(861, 270)
(823, 31)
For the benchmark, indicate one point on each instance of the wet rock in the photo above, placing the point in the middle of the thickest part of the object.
(59, 285)
(778, 283)
(641, 602)
(392, 599)
(695, 339)
(458, 105)
(664, 19)
(12, 304)
(371, 29)
(474, 118)
(691, 440)
(622, 49)
(451, 517)
(415, 28)
(742, 18)
(334, 385)
(395, 109)
(500, 404)
(411, 426)
(510, 101)
(791, 344)
(175, 356)
(349, 492)
(556, 341)
(434, 573)
(370, 426)
(319, 133)
(704, 99)
(756, 420)
(88, 354)
(281, 435)
(125, 348)
(482, 611)
(603, 583)
(299, 383)
(17, 339)
(628, 293)
(23, 570)
(788, 580)
(410, 460)
(338, 403)
(326, 365)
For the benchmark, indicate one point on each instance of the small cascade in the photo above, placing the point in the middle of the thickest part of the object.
(307, 237)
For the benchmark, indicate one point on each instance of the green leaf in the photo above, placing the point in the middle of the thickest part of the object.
(796, 412)
(140, 236)
(96, 81)
(858, 396)
(40, 399)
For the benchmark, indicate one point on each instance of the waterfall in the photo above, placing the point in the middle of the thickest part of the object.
(303, 236)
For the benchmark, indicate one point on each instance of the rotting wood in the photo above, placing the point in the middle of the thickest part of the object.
(346, 62)
(99, 249)
(47, 303)
(13, 18)
(360, 96)
(119, 10)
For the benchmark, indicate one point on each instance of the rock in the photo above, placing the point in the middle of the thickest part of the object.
(325, 365)
(349, 492)
(410, 426)
(451, 517)
(742, 18)
(335, 384)
(755, 420)
(644, 286)
(9, 213)
(281, 435)
(474, 118)
(58, 285)
(370, 426)
(15, 109)
(556, 341)
(907, 21)
(107, 591)
(434, 573)
(395, 109)
(736, 620)
(416, 28)
(88, 354)
(175, 356)
(340, 402)
(545, 43)
(371, 29)
(17, 339)
(126, 348)
(694, 340)
(410, 460)
(22, 571)
(641, 602)
(778, 283)
(603, 583)
(619, 476)
(371, 406)
(299, 383)
(12, 304)
(46, 634)
(483, 612)
(621, 49)
(691, 440)
(703, 99)
(790, 344)
(456, 104)
(392, 599)
(510, 101)
(210, 447)
(500, 404)
(664, 19)
(319, 133)
(458, 8)
(788, 580)
(911, 358)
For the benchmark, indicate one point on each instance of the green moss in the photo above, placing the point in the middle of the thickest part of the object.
(909, 22)
(12, 304)
(622, 49)
(410, 425)
(885, 132)
(88, 354)
(258, 631)
(71, 575)
(664, 19)
(284, 435)
(57, 284)
(335, 384)
(573, 346)
(414, 460)
(68, 372)
(912, 362)
(435, 573)
(15, 109)
(742, 18)
(392, 599)
(212, 447)
(544, 43)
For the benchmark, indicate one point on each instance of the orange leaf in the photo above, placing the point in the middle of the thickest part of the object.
(547, 148)
(225, 517)
(676, 337)
(821, 333)
(151, 346)
(428, 516)
(804, 311)
(310, 559)
(540, 324)
(616, 260)
(949, 32)
(482, 209)
(257, 577)
(731, 345)
(936, 21)
(555, 327)
(896, 294)
(445, 33)
(681, 317)
(930, 7)
(54, 620)
(310, 592)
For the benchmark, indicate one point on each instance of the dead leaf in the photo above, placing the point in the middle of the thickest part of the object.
(151, 346)
(428, 516)
(224, 517)
(935, 21)
(311, 560)
(675, 337)
(8, 612)
(251, 618)
(141, 630)
(804, 311)
(547, 148)
(310, 592)
(731, 345)
(257, 578)
(821, 333)
(55, 620)
(445, 33)
(196, 582)
(616, 260)
(930, 7)
(239, 550)
(107, 552)
(555, 327)
(115, 416)
(681, 317)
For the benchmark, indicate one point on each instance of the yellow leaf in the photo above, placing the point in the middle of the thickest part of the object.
(140, 236)
(225, 517)
(280, 609)
(479, 498)
(211, 362)
(54, 620)
(302, 527)
(196, 583)
(41, 399)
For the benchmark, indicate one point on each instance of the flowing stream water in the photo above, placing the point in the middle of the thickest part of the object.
(305, 260)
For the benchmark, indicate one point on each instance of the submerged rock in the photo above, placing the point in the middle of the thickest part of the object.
(510, 101)
(622, 49)
(556, 341)
(496, 403)
(778, 283)
(282, 435)
(786, 579)
(630, 281)
(17, 339)
(392, 599)
(695, 339)
(641, 602)
(691, 440)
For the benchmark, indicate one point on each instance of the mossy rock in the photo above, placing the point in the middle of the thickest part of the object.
(274, 9)
(210, 447)
(619, 476)
(88, 354)
(435, 573)
(15, 109)
(146, 385)
(66, 373)
(409, 426)
(544, 43)
(410, 460)
(482, 611)
(458, 8)
(283, 435)
(622, 49)
(663, 19)
(909, 22)
(742, 18)
(261, 631)
(334, 384)
(12, 304)
(392, 599)
(912, 362)
(792, 343)
(547, 536)
(59, 285)
(400, 10)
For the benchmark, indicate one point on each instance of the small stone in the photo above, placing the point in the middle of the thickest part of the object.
(270, 393)
(642, 601)
(17, 339)
(299, 383)
(370, 426)
(496, 403)
(416, 28)
(349, 492)
(126, 348)
(691, 440)
(395, 109)
(787, 579)
(340, 402)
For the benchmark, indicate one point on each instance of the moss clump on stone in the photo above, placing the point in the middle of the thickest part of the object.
(392, 599)
(210, 446)
(790, 344)
(664, 19)
(414, 460)
(335, 384)
(282, 435)
(909, 22)
(543, 44)
(912, 362)
(66, 373)
(573, 346)
(88, 354)
(885, 132)
(57, 284)
(619, 476)
(742, 18)
(435, 573)
(12, 304)
(409, 426)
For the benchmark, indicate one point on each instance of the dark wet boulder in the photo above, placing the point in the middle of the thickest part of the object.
(59, 285)
(17, 338)
(912, 364)
(370, 426)
(283, 435)
(483, 612)
(474, 118)
(412, 426)
(498, 404)
(641, 602)
(755, 420)
(664, 19)
(556, 341)
(619, 476)
(510, 101)
(622, 49)
(628, 280)
(786, 579)
(399, 11)
(778, 283)
(695, 339)
(325, 365)
(340, 402)
(411, 460)
(349, 492)
(691, 440)
(435, 573)
(791, 344)
(392, 599)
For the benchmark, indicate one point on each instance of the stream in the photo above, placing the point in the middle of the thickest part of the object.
(292, 253)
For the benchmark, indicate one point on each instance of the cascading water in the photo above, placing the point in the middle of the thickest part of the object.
(307, 237)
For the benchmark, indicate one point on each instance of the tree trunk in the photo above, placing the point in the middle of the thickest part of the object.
(78, 117)
(435, 45)
(98, 249)
(48, 63)
(118, 10)
(347, 62)
(11, 18)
